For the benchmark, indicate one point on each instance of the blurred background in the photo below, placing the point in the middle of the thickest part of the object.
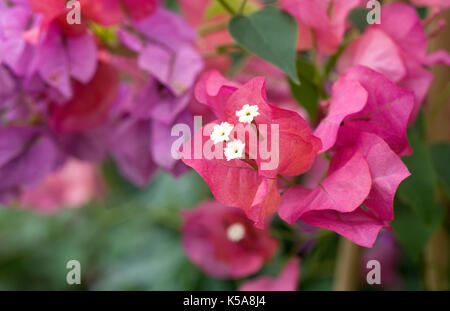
(130, 239)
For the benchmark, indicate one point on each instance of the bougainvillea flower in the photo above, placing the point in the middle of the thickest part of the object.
(161, 141)
(366, 100)
(277, 87)
(75, 184)
(58, 59)
(164, 43)
(91, 102)
(322, 24)
(397, 50)
(103, 12)
(434, 3)
(130, 147)
(249, 183)
(286, 281)
(223, 243)
(27, 155)
(356, 198)
(14, 22)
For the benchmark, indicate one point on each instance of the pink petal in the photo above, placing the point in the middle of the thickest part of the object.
(387, 111)
(376, 50)
(346, 187)
(408, 34)
(286, 281)
(54, 62)
(358, 226)
(82, 51)
(437, 57)
(348, 97)
(213, 90)
(233, 183)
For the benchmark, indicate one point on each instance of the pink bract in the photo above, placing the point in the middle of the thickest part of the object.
(397, 50)
(237, 183)
(206, 241)
(322, 23)
(356, 198)
(286, 281)
(367, 101)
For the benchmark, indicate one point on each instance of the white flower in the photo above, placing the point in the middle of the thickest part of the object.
(221, 132)
(247, 113)
(236, 232)
(234, 150)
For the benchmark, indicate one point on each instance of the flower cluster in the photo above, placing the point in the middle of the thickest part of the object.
(248, 177)
(112, 85)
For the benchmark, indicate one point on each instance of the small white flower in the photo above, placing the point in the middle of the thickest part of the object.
(221, 132)
(236, 232)
(234, 150)
(247, 113)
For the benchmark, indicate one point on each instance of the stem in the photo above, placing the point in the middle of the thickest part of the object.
(437, 250)
(241, 8)
(436, 261)
(227, 7)
(205, 30)
(347, 269)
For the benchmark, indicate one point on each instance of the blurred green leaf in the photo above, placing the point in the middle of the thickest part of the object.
(410, 230)
(135, 245)
(270, 34)
(306, 94)
(173, 5)
(440, 153)
(419, 189)
(417, 213)
(358, 17)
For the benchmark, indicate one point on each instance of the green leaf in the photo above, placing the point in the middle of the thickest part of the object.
(306, 94)
(270, 34)
(358, 17)
(418, 190)
(410, 231)
(440, 153)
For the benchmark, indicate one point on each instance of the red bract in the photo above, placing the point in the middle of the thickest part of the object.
(90, 104)
(103, 12)
(111, 12)
(250, 183)
(223, 242)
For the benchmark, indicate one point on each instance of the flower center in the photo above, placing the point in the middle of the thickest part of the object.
(236, 232)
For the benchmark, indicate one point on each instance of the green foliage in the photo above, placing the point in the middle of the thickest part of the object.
(134, 244)
(307, 93)
(418, 190)
(270, 34)
(358, 17)
(440, 153)
(417, 211)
